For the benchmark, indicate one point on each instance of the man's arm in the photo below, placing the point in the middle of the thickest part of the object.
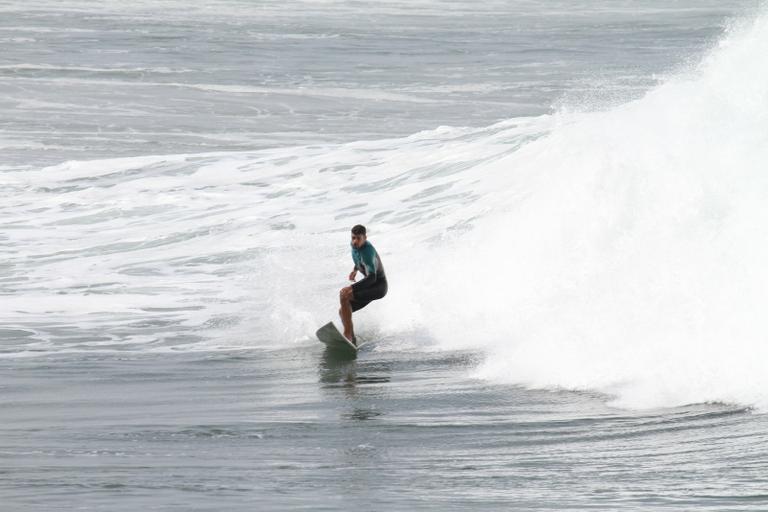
(353, 273)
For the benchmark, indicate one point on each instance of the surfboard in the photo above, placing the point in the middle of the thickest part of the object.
(330, 335)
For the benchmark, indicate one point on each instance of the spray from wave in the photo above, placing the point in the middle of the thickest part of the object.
(626, 250)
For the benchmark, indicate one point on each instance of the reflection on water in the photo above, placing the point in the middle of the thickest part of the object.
(337, 367)
(357, 379)
(362, 414)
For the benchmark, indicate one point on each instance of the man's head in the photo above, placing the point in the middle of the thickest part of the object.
(358, 236)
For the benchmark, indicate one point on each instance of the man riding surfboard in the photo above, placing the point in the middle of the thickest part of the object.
(373, 286)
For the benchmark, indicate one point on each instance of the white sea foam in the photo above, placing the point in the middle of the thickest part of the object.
(49, 67)
(626, 250)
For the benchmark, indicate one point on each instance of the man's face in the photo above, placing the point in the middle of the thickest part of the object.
(358, 240)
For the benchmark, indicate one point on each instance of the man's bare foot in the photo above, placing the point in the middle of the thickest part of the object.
(351, 337)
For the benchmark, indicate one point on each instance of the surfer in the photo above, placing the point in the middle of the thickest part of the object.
(373, 286)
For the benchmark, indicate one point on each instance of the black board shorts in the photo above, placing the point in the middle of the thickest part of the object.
(364, 296)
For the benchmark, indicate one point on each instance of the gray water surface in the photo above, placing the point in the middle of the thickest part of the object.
(80, 80)
(302, 429)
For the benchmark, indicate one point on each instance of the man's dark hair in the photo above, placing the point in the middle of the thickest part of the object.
(359, 229)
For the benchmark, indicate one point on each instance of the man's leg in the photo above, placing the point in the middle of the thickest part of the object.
(345, 312)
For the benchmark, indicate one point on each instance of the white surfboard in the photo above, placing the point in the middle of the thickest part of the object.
(331, 336)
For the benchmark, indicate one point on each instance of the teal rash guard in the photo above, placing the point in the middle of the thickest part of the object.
(367, 261)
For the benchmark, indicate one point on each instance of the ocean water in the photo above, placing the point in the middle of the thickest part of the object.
(568, 197)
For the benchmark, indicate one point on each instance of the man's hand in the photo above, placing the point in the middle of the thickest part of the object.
(347, 293)
(352, 275)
